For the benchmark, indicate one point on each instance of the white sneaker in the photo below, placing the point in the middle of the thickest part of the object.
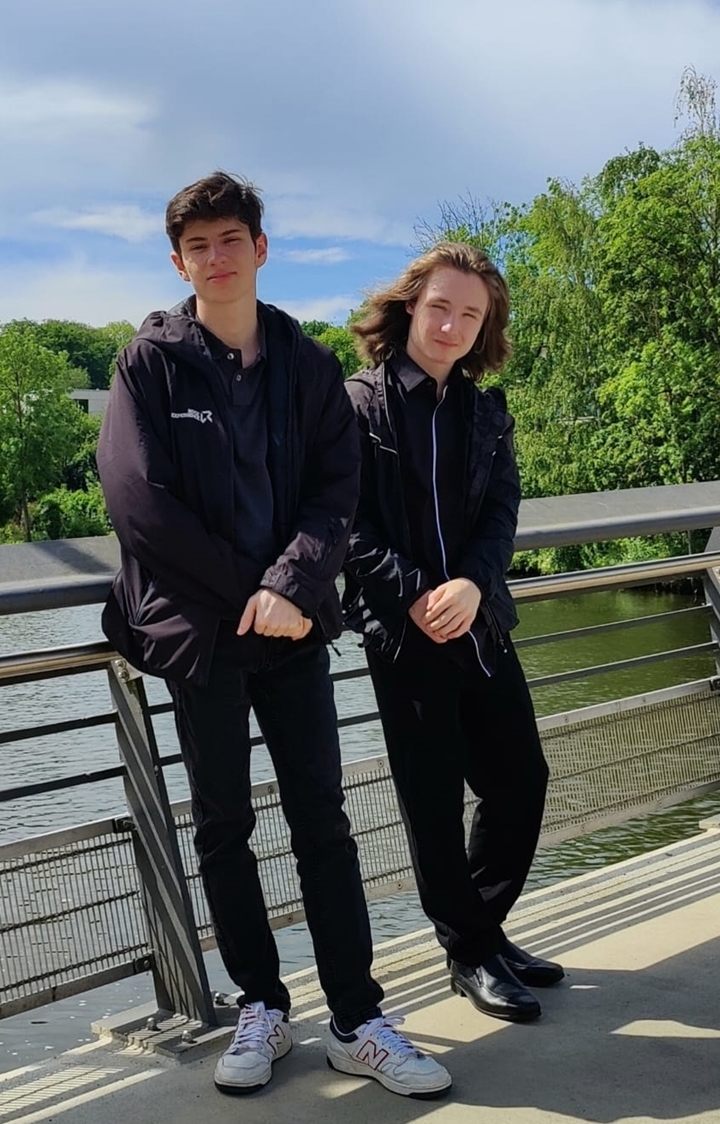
(376, 1049)
(260, 1039)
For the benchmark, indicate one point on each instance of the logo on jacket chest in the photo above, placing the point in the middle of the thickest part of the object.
(196, 415)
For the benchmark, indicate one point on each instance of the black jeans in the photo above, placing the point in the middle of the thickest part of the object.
(445, 724)
(292, 697)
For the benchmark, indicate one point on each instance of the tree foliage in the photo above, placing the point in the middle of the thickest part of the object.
(40, 426)
(64, 514)
(339, 340)
(91, 350)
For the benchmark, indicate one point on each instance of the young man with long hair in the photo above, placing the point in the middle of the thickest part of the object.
(229, 460)
(425, 586)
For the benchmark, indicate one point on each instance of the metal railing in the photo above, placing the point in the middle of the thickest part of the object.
(130, 897)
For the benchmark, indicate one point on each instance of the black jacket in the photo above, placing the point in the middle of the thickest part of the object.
(382, 581)
(165, 458)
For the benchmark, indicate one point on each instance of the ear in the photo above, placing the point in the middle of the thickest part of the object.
(261, 250)
(410, 307)
(179, 265)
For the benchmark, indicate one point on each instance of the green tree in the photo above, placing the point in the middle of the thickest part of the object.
(40, 425)
(339, 340)
(342, 342)
(660, 285)
(63, 514)
(314, 328)
(118, 334)
(81, 470)
(92, 350)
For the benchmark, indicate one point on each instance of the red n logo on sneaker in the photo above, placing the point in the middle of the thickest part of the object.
(276, 1036)
(373, 1055)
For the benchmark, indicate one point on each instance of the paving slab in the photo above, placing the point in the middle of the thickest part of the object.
(632, 1034)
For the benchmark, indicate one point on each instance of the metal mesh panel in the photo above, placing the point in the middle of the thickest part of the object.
(67, 912)
(377, 828)
(70, 913)
(631, 758)
(379, 833)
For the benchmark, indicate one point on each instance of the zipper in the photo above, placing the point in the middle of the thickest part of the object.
(437, 518)
(434, 482)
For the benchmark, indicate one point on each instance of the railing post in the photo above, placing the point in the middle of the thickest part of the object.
(181, 984)
(711, 584)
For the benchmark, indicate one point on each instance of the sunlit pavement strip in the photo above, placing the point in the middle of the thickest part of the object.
(629, 1038)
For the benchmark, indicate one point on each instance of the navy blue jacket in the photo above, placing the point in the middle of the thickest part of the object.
(381, 579)
(165, 458)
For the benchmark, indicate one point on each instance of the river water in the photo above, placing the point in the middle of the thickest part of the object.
(27, 1038)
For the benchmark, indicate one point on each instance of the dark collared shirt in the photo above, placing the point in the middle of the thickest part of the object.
(432, 444)
(252, 487)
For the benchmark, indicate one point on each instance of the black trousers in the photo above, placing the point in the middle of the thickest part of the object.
(292, 697)
(446, 724)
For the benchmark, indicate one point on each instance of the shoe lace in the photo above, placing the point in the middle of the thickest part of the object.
(252, 1029)
(383, 1029)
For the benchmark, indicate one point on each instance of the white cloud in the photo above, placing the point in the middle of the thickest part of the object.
(63, 140)
(128, 221)
(75, 290)
(319, 308)
(330, 255)
(45, 106)
(320, 216)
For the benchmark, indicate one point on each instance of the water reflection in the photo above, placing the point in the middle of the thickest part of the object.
(78, 752)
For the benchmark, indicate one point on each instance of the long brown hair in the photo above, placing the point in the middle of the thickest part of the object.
(385, 324)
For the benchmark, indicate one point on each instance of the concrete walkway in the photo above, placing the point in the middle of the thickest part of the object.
(633, 1034)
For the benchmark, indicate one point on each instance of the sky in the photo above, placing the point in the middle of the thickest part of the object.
(357, 118)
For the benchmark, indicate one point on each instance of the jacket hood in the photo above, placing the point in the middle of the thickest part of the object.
(178, 332)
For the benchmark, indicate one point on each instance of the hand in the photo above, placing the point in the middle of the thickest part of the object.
(269, 614)
(418, 612)
(452, 608)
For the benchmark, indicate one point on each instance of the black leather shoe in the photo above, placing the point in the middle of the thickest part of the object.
(529, 969)
(494, 990)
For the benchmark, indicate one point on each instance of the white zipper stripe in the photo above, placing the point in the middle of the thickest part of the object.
(434, 481)
(437, 516)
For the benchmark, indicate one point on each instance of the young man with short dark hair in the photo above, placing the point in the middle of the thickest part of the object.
(229, 460)
(425, 585)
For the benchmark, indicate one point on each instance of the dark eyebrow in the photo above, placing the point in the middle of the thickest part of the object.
(223, 233)
(468, 307)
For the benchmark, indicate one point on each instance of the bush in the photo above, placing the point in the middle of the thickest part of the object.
(70, 515)
(11, 533)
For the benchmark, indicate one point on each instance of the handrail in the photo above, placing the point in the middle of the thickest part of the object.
(48, 662)
(86, 657)
(606, 577)
(74, 572)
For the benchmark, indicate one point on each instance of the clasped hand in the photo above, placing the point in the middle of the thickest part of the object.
(270, 614)
(447, 612)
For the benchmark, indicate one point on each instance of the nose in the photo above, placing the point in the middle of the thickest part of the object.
(215, 251)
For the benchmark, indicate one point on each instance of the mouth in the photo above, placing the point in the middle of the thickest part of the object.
(220, 276)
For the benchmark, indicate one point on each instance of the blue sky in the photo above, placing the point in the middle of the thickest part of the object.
(356, 117)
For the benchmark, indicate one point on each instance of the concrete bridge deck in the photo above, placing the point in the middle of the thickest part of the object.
(633, 1034)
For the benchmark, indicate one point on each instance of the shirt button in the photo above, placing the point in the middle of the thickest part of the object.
(238, 378)
(231, 354)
